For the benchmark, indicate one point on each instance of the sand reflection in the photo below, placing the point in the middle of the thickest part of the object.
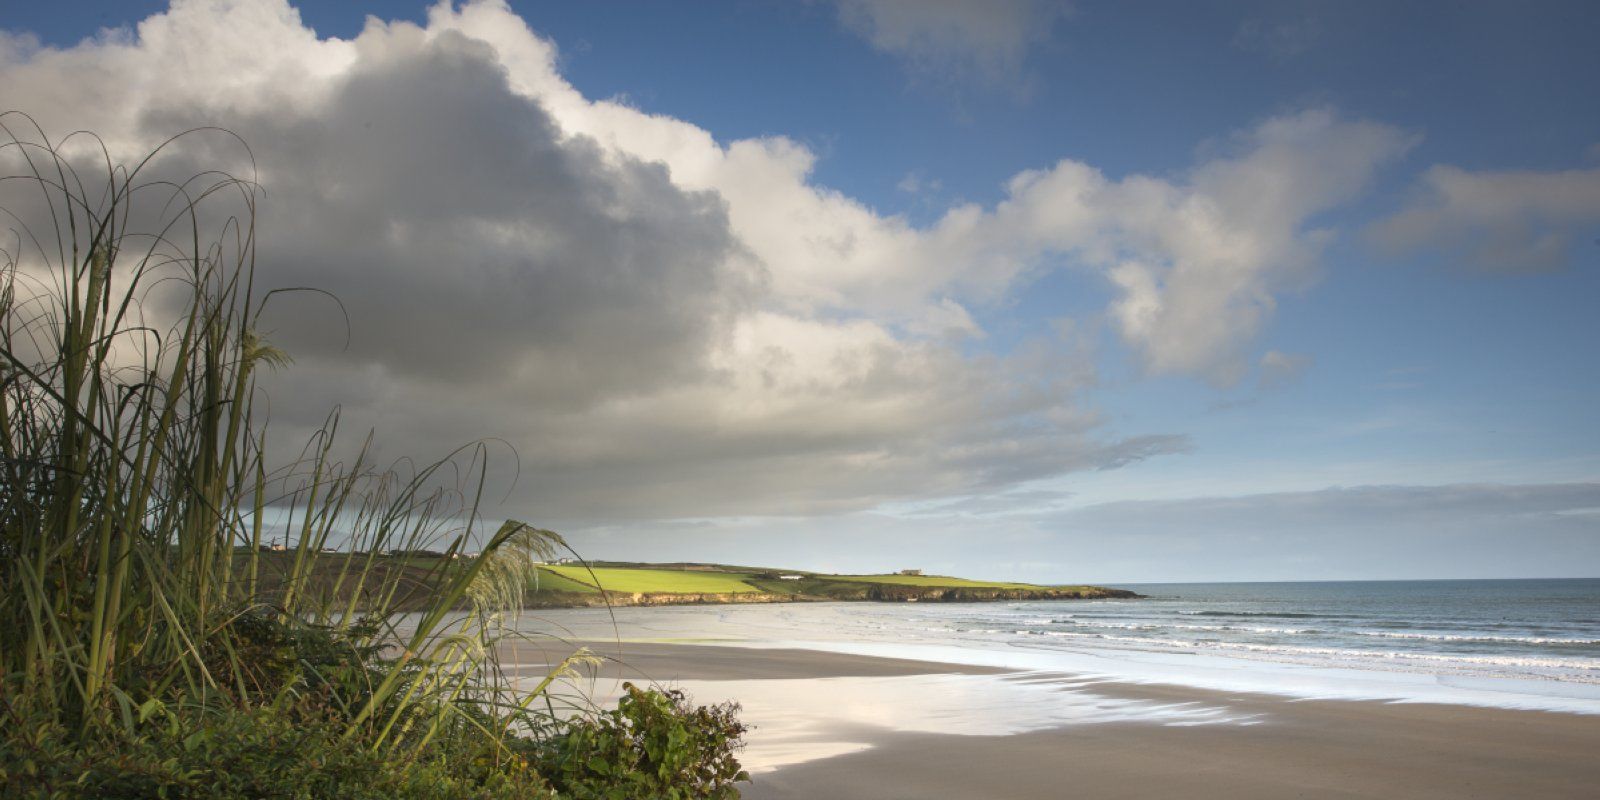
(798, 720)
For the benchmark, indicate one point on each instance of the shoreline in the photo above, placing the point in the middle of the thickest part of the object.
(994, 635)
(871, 593)
(846, 725)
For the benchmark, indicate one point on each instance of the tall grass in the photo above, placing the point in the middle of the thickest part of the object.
(136, 493)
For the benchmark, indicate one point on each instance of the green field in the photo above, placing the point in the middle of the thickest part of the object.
(664, 581)
(552, 581)
(931, 580)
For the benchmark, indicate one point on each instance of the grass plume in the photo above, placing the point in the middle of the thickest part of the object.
(138, 598)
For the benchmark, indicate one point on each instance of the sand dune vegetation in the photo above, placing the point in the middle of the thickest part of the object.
(148, 644)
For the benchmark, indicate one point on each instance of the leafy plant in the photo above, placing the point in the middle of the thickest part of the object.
(653, 746)
(264, 752)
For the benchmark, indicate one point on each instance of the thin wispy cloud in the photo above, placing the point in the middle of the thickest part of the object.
(1281, 39)
(1510, 221)
(985, 42)
(1279, 369)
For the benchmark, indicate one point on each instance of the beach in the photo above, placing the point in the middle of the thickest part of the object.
(1473, 689)
(1190, 742)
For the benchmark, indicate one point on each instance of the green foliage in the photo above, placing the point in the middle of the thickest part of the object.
(262, 752)
(653, 746)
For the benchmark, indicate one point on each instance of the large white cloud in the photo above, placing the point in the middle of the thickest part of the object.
(662, 323)
(1197, 258)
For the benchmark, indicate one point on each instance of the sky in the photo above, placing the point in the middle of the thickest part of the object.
(1115, 292)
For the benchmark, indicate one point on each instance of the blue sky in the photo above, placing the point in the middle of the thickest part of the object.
(1397, 291)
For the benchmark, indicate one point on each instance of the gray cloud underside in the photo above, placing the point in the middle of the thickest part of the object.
(1345, 506)
(1453, 531)
(665, 324)
(1373, 532)
(506, 276)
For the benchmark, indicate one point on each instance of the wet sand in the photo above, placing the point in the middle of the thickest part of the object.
(1288, 748)
(1306, 749)
(666, 663)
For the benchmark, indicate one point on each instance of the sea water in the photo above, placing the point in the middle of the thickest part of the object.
(1507, 643)
(1533, 629)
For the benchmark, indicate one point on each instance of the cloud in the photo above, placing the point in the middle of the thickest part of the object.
(1280, 39)
(982, 40)
(1364, 532)
(1370, 532)
(661, 323)
(1501, 221)
(605, 290)
(1279, 369)
(915, 182)
(1017, 501)
(1346, 506)
(1196, 261)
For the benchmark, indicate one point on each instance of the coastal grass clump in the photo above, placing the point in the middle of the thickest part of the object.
(152, 644)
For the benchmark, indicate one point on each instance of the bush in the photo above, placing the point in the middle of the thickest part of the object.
(652, 747)
(239, 753)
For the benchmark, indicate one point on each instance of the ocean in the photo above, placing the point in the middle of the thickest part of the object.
(1537, 629)
(1507, 643)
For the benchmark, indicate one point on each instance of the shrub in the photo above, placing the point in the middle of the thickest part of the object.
(240, 753)
(653, 746)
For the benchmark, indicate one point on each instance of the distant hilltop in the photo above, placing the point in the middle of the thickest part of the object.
(571, 583)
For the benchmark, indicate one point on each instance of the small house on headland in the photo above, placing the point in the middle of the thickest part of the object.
(911, 572)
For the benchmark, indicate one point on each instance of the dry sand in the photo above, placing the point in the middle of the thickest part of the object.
(1298, 748)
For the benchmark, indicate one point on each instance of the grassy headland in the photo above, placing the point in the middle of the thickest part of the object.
(618, 583)
(679, 584)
